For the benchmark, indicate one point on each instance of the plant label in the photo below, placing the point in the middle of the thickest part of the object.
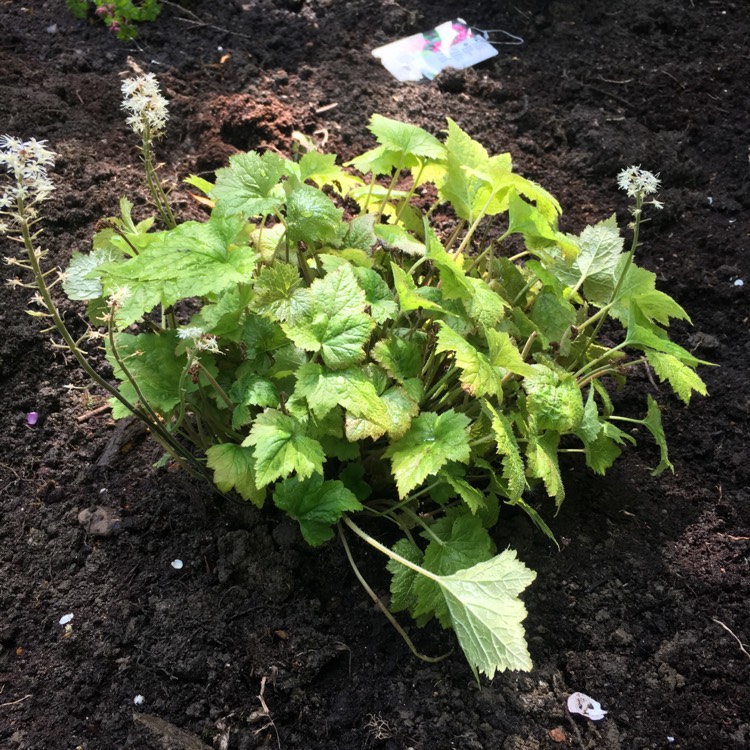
(453, 44)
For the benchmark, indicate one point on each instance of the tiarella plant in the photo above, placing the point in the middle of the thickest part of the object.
(319, 344)
(120, 16)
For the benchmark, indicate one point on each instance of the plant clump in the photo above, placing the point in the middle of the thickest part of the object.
(318, 344)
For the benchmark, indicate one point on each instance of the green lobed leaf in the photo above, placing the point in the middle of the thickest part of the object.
(432, 440)
(459, 187)
(393, 235)
(80, 280)
(400, 357)
(311, 216)
(457, 541)
(194, 259)
(507, 447)
(379, 297)
(405, 138)
(504, 353)
(409, 296)
(595, 268)
(484, 306)
(350, 388)
(653, 423)
(250, 185)
(639, 288)
(454, 475)
(279, 293)
(682, 378)
(541, 453)
(234, 469)
(151, 360)
(403, 579)
(400, 408)
(316, 504)
(282, 447)
(486, 613)
(478, 376)
(554, 399)
(336, 324)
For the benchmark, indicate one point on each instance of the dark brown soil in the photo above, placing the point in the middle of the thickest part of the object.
(261, 642)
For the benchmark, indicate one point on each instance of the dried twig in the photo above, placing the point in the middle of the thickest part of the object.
(742, 645)
(93, 413)
(15, 703)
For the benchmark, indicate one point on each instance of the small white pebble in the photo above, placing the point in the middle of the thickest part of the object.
(739, 282)
(65, 619)
(710, 200)
(177, 564)
(139, 700)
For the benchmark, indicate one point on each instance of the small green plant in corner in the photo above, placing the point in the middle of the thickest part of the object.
(120, 16)
(318, 344)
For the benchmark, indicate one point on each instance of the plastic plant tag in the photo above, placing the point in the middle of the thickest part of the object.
(453, 44)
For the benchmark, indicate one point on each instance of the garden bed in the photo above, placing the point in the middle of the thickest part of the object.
(259, 641)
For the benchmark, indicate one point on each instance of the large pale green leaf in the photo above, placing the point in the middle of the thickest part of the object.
(486, 613)
(484, 306)
(250, 186)
(644, 334)
(536, 228)
(336, 324)
(393, 235)
(234, 469)
(323, 171)
(463, 542)
(192, 260)
(478, 376)
(350, 388)
(432, 441)
(81, 281)
(282, 447)
(316, 504)
(459, 187)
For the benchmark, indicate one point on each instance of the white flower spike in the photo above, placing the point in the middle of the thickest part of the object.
(637, 182)
(27, 163)
(146, 107)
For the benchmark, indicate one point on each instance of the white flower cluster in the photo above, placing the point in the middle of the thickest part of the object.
(203, 342)
(638, 182)
(26, 162)
(145, 105)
